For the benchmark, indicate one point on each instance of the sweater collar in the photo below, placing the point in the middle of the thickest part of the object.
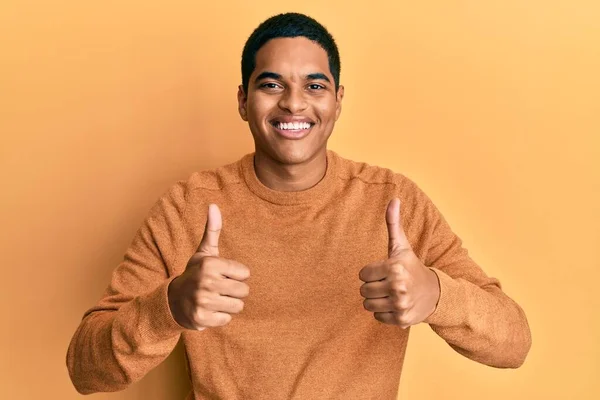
(317, 193)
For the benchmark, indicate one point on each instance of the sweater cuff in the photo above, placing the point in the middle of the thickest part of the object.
(156, 320)
(451, 305)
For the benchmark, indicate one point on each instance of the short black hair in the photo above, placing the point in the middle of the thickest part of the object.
(289, 25)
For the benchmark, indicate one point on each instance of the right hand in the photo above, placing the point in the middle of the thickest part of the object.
(211, 288)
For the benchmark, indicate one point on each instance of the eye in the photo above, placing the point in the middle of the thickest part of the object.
(269, 85)
(316, 86)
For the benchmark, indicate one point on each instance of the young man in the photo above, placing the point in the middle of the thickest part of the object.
(292, 273)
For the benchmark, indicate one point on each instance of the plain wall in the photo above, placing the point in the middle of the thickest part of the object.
(491, 107)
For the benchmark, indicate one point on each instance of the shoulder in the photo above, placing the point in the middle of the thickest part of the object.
(217, 178)
(415, 203)
(376, 175)
(212, 179)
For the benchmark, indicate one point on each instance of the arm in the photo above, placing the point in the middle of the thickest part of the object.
(473, 315)
(131, 329)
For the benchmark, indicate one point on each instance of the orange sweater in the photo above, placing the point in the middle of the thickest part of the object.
(303, 333)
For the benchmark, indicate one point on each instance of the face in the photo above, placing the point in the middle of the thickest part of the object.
(291, 105)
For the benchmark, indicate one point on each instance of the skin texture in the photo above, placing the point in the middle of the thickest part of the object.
(283, 164)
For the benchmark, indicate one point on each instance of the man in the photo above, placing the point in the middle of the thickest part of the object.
(292, 273)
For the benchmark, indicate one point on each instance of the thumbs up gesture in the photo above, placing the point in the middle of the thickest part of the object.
(400, 290)
(211, 288)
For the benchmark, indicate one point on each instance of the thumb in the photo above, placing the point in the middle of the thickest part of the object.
(210, 241)
(397, 238)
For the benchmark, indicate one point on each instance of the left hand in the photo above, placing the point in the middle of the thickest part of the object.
(400, 290)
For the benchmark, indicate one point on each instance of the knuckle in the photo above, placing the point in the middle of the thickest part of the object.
(398, 304)
(397, 268)
(205, 282)
(402, 303)
(398, 285)
(400, 319)
(202, 300)
(205, 319)
(405, 323)
(208, 283)
(200, 278)
(199, 317)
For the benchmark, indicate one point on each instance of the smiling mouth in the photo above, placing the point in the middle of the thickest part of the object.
(292, 126)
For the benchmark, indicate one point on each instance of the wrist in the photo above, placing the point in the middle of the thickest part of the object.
(435, 290)
(173, 297)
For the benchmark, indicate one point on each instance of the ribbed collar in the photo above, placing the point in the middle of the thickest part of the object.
(317, 193)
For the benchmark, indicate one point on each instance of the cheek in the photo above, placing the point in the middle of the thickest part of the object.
(260, 106)
(326, 110)
(258, 110)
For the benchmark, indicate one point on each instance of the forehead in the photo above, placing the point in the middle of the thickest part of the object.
(291, 56)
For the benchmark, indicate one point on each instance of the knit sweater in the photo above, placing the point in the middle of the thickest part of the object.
(304, 332)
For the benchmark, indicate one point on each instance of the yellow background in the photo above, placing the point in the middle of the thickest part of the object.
(493, 108)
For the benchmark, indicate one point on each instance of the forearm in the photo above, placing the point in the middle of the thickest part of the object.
(113, 348)
(481, 323)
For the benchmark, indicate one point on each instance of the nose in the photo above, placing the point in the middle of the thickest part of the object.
(293, 100)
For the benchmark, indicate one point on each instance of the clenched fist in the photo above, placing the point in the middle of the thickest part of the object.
(400, 290)
(211, 288)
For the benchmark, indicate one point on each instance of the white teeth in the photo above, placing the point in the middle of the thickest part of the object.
(293, 125)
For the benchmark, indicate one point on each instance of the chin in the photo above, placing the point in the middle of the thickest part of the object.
(292, 156)
(289, 154)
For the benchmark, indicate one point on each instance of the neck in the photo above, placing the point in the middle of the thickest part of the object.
(290, 177)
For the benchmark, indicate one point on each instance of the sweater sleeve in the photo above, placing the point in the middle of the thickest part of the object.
(131, 329)
(473, 315)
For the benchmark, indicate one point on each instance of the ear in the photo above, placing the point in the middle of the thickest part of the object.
(242, 103)
(338, 102)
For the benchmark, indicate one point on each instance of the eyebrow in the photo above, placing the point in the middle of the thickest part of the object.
(266, 75)
(318, 76)
(274, 75)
